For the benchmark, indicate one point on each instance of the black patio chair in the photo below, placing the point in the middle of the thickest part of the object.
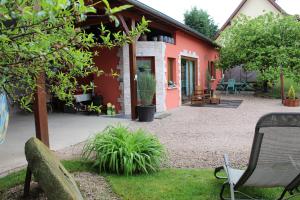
(274, 159)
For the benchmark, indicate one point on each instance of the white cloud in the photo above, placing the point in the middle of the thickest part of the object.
(220, 10)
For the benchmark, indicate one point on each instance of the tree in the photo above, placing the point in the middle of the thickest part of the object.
(266, 44)
(201, 21)
(43, 37)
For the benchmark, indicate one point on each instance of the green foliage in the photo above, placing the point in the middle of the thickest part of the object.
(44, 37)
(201, 21)
(119, 150)
(147, 88)
(292, 93)
(93, 108)
(263, 44)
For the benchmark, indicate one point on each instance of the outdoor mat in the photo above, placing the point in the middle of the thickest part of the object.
(161, 115)
(223, 104)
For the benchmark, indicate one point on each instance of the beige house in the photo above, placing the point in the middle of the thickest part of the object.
(252, 8)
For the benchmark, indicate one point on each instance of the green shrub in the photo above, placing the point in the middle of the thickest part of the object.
(119, 150)
(292, 93)
(146, 88)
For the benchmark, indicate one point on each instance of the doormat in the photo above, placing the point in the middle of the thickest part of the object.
(223, 104)
(161, 115)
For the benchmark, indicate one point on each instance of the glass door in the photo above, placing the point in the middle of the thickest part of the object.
(144, 65)
(188, 71)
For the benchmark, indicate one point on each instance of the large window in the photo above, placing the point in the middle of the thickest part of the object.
(171, 72)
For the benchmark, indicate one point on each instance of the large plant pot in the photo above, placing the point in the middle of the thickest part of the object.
(146, 113)
(292, 102)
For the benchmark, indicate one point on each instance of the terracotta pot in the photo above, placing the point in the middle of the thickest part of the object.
(291, 102)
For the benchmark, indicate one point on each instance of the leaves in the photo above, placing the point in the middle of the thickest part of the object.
(263, 44)
(43, 37)
(201, 21)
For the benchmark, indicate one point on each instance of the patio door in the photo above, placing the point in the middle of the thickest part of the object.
(188, 79)
(144, 65)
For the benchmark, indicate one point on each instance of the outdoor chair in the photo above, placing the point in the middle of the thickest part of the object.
(199, 97)
(231, 86)
(274, 159)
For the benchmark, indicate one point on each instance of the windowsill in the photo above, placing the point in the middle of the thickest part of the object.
(172, 87)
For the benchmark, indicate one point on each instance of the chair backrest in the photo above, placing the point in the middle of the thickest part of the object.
(231, 83)
(275, 155)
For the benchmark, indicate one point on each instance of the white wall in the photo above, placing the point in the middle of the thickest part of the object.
(255, 8)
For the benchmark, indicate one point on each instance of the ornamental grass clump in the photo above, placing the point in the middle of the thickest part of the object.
(121, 151)
(146, 87)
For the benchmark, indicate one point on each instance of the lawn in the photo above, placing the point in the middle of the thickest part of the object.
(167, 184)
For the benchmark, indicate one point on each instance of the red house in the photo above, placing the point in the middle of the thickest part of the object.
(177, 55)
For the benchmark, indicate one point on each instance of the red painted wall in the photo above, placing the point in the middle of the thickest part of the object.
(106, 84)
(202, 49)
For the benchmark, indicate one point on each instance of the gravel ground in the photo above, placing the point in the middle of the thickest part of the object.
(92, 187)
(198, 137)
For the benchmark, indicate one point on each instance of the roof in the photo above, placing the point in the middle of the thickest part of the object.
(273, 2)
(161, 16)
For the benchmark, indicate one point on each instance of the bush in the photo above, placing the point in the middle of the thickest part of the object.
(291, 93)
(119, 150)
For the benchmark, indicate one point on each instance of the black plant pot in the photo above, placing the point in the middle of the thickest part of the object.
(146, 113)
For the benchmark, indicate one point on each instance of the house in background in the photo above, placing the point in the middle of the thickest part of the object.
(175, 54)
(251, 8)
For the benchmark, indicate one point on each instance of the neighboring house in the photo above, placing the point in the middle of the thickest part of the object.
(177, 55)
(251, 8)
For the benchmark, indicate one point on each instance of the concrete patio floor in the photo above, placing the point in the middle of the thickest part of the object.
(64, 130)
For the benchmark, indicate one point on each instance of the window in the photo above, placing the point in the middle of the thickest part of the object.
(171, 72)
(212, 70)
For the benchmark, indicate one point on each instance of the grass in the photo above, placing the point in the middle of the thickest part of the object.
(181, 184)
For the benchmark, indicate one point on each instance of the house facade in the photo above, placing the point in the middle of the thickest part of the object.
(251, 8)
(175, 54)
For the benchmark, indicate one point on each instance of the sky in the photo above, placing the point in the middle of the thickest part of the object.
(220, 10)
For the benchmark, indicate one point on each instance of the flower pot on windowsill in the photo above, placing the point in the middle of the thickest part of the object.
(292, 102)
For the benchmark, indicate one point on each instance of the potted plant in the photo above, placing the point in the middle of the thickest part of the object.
(146, 91)
(292, 100)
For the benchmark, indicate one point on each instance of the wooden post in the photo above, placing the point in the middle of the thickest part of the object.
(41, 123)
(40, 111)
(282, 85)
(133, 81)
(133, 75)
(132, 64)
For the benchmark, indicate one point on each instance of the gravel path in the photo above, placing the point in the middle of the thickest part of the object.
(197, 137)
(92, 187)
